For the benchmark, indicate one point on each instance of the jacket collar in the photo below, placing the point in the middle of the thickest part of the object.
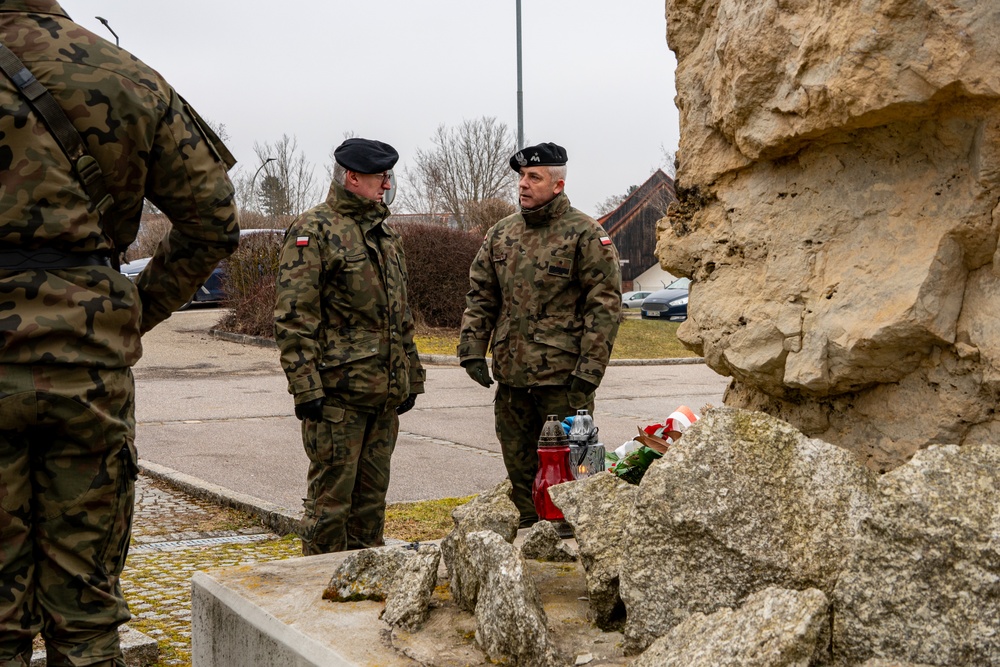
(35, 6)
(543, 215)
(366, 212)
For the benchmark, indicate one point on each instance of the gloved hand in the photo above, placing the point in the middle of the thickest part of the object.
(406, 405)
(310, 410)
(478, 371)
(580, 391)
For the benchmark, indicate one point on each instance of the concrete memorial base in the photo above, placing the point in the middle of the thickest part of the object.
(273, 614)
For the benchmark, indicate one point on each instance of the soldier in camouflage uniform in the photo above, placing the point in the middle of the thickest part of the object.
(346, 337)
(546, 284)
(70, 323)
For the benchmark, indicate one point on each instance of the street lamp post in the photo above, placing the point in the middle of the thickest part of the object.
(108, 26)
(520, 94)
(253, 180)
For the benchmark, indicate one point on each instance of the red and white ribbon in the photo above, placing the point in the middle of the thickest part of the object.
(678, 421)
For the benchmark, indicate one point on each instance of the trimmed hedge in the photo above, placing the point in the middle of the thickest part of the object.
(438, 260)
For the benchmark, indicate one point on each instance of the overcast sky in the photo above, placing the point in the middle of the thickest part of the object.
(598, 77)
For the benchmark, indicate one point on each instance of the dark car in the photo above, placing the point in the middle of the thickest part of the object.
(212, 290)
(209, 292)
(669, 303)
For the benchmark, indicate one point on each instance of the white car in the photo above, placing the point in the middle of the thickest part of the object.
(634, 299)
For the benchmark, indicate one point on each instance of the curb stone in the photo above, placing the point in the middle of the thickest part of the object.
(448, 360)
(279, 519)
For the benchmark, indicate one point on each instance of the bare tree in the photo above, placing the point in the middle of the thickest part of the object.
(286, 185)
(668, 161)
(467, 165)
(614, 201)
(333, 160)
(482, 215)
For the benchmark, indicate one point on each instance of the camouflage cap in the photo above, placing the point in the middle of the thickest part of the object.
(365, 156)
(542, 155)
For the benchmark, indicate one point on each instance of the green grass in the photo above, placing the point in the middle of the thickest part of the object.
(421, 521)
(637, 339)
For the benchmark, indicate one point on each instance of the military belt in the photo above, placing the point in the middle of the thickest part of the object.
(47, 259)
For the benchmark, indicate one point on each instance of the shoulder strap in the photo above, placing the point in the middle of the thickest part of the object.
(62, 129)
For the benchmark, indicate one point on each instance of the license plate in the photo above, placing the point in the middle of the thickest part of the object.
(652, 314)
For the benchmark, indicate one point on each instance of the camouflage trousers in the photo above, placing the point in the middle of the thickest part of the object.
(67, 485)
(349, 454)
(520, 413)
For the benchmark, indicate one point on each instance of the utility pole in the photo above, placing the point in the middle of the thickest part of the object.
(520, 93)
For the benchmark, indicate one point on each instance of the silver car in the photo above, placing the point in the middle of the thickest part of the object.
(634, 299)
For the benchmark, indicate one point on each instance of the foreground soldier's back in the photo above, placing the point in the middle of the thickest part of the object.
(70, 323)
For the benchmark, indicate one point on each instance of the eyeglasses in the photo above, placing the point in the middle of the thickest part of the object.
(386, 176)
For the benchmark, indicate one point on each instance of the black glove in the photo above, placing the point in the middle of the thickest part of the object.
(578, 384)
(580, 391)
(406, 405)
(310, 410)
(477, 370)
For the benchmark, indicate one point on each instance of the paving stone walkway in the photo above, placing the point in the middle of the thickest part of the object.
(173, 536)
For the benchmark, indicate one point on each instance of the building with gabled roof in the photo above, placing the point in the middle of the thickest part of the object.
(632, 226)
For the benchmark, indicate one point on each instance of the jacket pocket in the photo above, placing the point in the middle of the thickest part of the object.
(555, 289)
(333, 413)
(558, 339)
(501, 334)
(345, 349)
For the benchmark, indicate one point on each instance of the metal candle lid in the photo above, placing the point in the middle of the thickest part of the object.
(553, 434)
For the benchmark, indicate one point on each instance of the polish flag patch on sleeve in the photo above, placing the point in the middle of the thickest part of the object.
(301, 241)
(605, 240)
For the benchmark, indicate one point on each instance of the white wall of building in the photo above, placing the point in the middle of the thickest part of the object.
(653, 278)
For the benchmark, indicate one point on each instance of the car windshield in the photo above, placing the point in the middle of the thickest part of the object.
(680, 283)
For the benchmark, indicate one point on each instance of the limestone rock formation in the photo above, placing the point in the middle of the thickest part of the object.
(924, 582)
(773, 628)
(543, 543)
(598, 508)
(742, 502)
(408, 601)
(404, 577)
(510, 622)
(366, 574)
(838, 185)
(493, 511)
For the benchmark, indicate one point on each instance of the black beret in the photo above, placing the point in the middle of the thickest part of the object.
(542, 155)
(365, 156)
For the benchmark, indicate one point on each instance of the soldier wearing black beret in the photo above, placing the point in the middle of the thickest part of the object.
(545, 287)
(365, 156)
(341, 279)
(542, 155)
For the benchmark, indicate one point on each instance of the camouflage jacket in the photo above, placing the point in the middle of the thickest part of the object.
(341, 320)
(546, 284)
(149, 143)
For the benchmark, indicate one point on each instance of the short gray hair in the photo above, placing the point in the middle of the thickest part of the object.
(339, 173)
(558, 173)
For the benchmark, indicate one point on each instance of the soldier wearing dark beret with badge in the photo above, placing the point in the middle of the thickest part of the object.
(546, 287)
(345, 333)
